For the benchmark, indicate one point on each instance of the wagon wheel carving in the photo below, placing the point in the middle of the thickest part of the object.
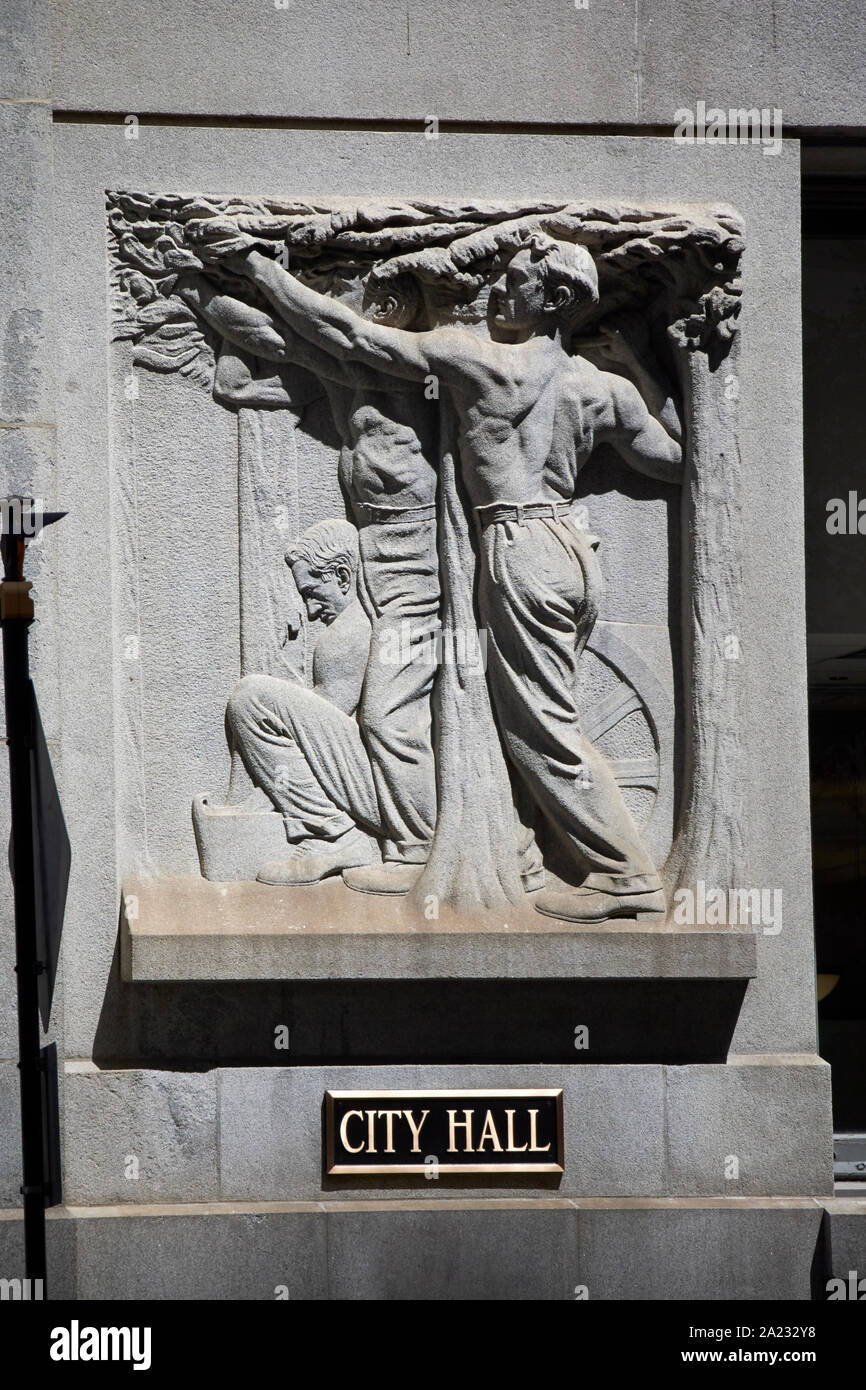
(629, 716)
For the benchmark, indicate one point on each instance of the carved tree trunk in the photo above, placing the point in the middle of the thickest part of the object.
(709, 838)
(473, 861)
(268, 519)
(267, 522)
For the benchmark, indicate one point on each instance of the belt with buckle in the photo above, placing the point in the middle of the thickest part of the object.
(521, 512)
(387, 516)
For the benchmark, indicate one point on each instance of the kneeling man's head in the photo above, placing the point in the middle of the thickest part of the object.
(324, 564)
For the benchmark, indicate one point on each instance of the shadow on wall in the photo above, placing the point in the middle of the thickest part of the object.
(191, 1024)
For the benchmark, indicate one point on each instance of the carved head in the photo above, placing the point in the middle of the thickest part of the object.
(546, 283)
(324, 564)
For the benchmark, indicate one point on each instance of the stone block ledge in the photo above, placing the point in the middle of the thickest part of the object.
(175, 929)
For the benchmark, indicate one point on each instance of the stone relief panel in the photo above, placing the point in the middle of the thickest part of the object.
(436, 403)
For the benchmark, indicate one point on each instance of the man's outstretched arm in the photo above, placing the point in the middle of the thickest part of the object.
(334, 327)
(637, 435)
(258, 333)
(326, 322)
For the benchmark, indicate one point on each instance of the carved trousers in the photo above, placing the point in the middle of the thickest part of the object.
(399, 588)
(306, 754)
(534, 603)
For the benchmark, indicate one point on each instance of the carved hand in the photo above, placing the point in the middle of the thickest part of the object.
(178, 260)
(218, 240)
(622, 340)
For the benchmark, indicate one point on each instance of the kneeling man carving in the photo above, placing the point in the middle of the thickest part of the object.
(302, 745)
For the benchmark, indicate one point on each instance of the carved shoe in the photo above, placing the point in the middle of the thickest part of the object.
(391, 877)
(317, 859)
(595, 906)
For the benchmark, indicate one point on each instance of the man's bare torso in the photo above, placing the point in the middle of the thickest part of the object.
(387, 441)
(532, 425)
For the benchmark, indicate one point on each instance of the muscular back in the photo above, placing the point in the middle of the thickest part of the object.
(526, 435)
(388, 441)
(388, 453)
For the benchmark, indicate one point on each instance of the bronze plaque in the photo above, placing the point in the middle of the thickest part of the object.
(433, 1132)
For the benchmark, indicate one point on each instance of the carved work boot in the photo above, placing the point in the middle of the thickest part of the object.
(317, 859)
(392, 877)
(592, 905)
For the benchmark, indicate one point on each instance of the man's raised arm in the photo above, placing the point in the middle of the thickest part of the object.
(256, 332)
(326, 322)
(637, 435)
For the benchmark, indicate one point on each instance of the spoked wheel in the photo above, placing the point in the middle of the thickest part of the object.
(628, 715)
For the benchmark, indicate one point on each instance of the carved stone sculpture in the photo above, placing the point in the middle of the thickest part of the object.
(303, 746)
(474, 358)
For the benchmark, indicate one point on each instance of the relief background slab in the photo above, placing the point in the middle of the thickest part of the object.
(776, 1015)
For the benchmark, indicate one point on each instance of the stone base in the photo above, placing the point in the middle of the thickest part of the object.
(756, 1126)
(232, 842)
(724, 1249)
(190, 929)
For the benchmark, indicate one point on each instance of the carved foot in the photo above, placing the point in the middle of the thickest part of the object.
(594, 906)
(317, 860)
(391, 877)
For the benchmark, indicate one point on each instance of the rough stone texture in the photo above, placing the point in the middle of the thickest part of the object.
(848, 1238)
(523, 63)
(25, 49)
(545, 1248)
(750, 1254)
(189, 528)
(61, 1240)
(242, 1257)
(10, 1136)
(433, 1255)
(164, 1120)
(621, 1137)
(381, 60)
(270, 1128)
(799, 58)
(774, 1119)
(26, 278)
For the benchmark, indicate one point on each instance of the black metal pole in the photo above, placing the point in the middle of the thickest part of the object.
(16, 615)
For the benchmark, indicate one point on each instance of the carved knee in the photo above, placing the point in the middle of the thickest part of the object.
(245, 695)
